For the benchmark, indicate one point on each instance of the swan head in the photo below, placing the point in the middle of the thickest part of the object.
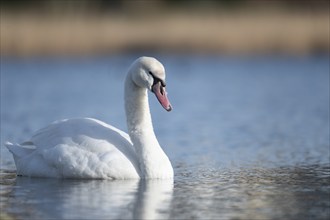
(149, 73)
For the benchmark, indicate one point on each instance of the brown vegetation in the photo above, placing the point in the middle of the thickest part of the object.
(217, 31)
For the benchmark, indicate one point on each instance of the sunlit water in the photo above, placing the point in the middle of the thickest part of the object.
(248, 138)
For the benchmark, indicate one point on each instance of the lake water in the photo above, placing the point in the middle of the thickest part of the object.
(248, 137)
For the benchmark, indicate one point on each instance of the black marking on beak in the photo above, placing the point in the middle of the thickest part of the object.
(156, 80)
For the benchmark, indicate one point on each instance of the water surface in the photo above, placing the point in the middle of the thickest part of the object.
(248, 137)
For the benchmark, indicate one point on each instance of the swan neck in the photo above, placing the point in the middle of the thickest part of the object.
(152, 160)
(137, 109)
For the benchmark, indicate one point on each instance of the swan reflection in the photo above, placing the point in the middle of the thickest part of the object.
(94, 199)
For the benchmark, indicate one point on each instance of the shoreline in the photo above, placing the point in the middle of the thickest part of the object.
(206, 33)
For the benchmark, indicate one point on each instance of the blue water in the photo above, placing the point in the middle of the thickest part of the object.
(248, 137)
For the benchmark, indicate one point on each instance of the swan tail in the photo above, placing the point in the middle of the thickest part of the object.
(20, 150)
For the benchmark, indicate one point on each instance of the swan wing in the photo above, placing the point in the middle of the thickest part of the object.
(77, 148)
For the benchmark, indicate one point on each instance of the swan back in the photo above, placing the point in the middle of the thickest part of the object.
(77, 148)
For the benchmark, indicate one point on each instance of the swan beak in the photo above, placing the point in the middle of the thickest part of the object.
(161, 95)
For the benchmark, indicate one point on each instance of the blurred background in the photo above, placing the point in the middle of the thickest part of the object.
(70, 27)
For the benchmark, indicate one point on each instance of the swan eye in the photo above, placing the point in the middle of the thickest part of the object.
(156, 79)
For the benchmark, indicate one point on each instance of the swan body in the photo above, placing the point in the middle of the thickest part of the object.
(91, 149)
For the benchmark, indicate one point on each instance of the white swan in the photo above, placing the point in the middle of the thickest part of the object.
(89, 148)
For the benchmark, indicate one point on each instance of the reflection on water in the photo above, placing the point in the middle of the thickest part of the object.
(90, 199)
(255, 193)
